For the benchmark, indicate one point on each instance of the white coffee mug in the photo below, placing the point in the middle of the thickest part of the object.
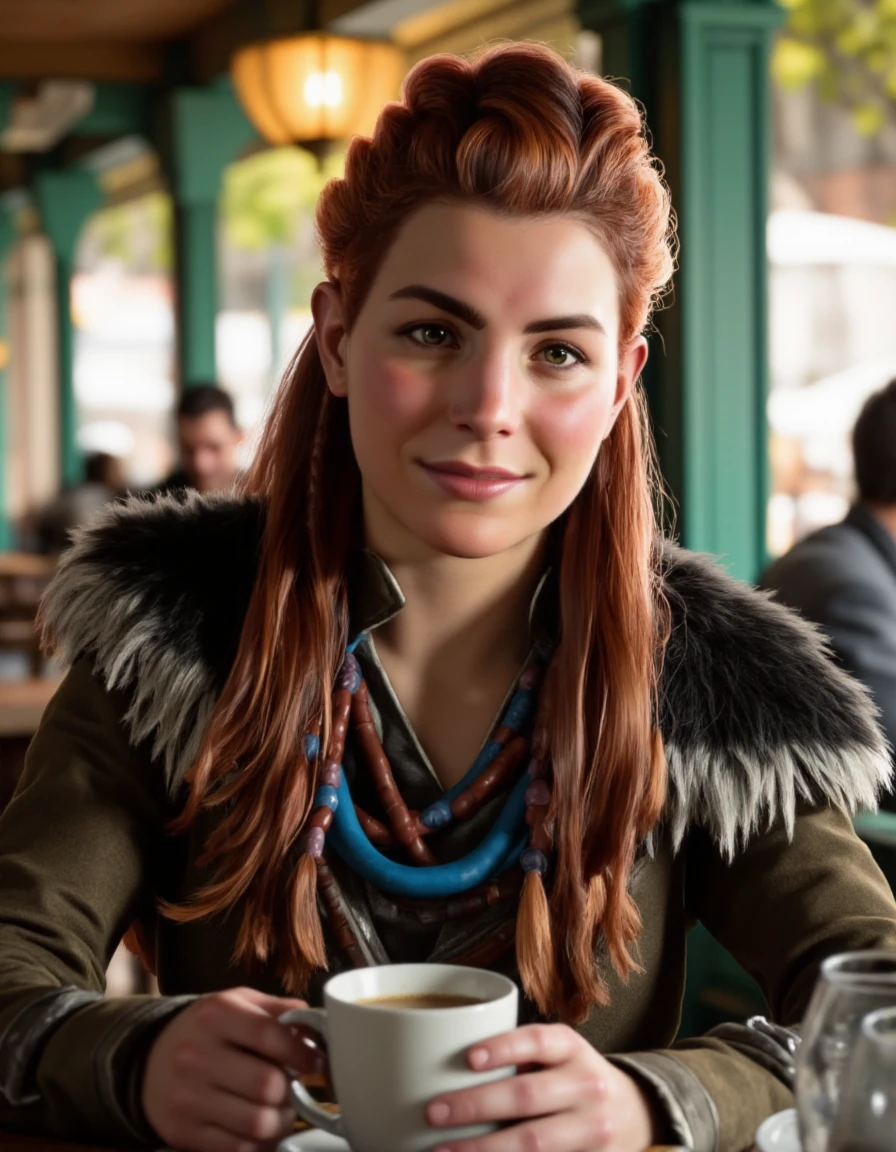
(388, 1062)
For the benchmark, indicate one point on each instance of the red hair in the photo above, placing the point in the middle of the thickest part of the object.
(520, 131)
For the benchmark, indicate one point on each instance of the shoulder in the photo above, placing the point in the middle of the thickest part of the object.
(755, 715)
(826, 558)
(155, 591)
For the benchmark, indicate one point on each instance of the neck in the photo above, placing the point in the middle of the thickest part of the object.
(885, 514)
(470, 616)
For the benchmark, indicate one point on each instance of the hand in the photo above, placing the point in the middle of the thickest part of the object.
(575, 1102)
(215, 1078)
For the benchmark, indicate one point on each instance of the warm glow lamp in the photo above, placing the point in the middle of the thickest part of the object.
(315, 89)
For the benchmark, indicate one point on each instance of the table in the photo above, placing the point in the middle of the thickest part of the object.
(15, 565)
(10, 1141)
(23, 578)
(22, 703)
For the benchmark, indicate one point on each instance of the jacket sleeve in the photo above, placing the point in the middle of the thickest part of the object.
(78, 844)
(780, 908)
(854, 608)
(858, 615)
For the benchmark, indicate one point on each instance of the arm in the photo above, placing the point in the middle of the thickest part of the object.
(859, 618)
(77, 846)
(780, 908)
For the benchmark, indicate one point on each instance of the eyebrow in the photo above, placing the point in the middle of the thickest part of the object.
(475, 319)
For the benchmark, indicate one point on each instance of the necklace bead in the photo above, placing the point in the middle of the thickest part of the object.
(534, 860)
(326, 797)
(350, 675)
(538, 793)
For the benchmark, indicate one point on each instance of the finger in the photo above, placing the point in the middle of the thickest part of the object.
(210, 1138)
(273, 1005)
(567, 1132)
(517, 1098)
(249, 1121)
(248, 1026)
(544, 1044)
(235, 1072)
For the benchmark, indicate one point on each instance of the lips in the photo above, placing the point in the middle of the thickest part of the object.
(458, 468)
(465, 482)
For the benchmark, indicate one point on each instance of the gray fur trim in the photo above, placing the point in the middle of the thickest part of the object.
(738, 797)
(755, 716)
(113, 600)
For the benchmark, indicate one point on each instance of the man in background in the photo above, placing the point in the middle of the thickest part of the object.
(103, 482)
(208, 439)
(843, 577)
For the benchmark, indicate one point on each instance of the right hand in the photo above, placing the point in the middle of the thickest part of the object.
(215, 1078)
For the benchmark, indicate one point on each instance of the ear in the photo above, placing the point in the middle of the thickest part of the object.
(631, 364)
(331, 334)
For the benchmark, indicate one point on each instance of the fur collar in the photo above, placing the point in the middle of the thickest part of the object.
(756, 718)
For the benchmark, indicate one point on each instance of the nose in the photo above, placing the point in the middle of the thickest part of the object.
(487, 396)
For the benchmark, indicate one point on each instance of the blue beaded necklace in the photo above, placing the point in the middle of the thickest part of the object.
(502, 848)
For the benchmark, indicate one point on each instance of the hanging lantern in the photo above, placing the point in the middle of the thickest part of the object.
(316, 89)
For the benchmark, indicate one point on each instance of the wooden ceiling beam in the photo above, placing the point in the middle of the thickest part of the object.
(81, 60)
(214, 43)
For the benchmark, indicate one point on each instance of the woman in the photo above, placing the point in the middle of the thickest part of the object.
(449, 521)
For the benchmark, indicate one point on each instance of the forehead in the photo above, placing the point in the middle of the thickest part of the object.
(213, 425)
(511, 268)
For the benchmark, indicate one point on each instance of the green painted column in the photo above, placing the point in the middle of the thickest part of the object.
(66, 199)
(208, 128)
(701, 69)
(7, 239)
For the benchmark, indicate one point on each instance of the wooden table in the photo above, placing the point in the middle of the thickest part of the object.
(23, 578)
(18, 565)
(22, 703)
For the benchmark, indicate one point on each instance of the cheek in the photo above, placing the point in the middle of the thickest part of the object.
(389, 399)
(570, 429)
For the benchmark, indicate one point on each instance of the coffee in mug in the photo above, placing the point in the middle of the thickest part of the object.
(397, 1036)
(421, 1001)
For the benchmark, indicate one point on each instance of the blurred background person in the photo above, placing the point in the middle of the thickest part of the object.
(843, 577)
(209, 441)
(103, 482)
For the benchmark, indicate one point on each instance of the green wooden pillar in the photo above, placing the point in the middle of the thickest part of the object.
(700, 68)
(66, 199)
(208, 128)
(7, 239)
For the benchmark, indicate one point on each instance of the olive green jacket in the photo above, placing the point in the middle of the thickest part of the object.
(769, 746)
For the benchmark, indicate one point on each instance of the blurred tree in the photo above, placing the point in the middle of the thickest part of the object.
(136, 234)
(846, 47)
(266, 197)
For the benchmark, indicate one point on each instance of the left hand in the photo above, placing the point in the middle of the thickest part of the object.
(574, 1102)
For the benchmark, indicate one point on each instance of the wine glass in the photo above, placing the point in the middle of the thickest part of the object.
(850, 986)
(866, 1118)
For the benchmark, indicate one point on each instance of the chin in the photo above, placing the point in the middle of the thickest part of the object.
(473, 538)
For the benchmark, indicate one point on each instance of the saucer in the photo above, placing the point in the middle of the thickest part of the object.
(313, 1141)
(779, 1133)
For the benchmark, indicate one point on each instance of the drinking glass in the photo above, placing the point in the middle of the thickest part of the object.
(850, 986)
(866, 1118)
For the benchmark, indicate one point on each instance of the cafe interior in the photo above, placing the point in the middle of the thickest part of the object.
(159, 165)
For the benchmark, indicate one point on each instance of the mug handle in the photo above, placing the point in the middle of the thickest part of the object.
(302, 1100)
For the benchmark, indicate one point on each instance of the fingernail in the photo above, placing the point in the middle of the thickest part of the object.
(438, 1113)
(478, 1057)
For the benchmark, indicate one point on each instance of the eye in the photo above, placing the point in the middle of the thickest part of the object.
(561, 356)
(429, 335)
